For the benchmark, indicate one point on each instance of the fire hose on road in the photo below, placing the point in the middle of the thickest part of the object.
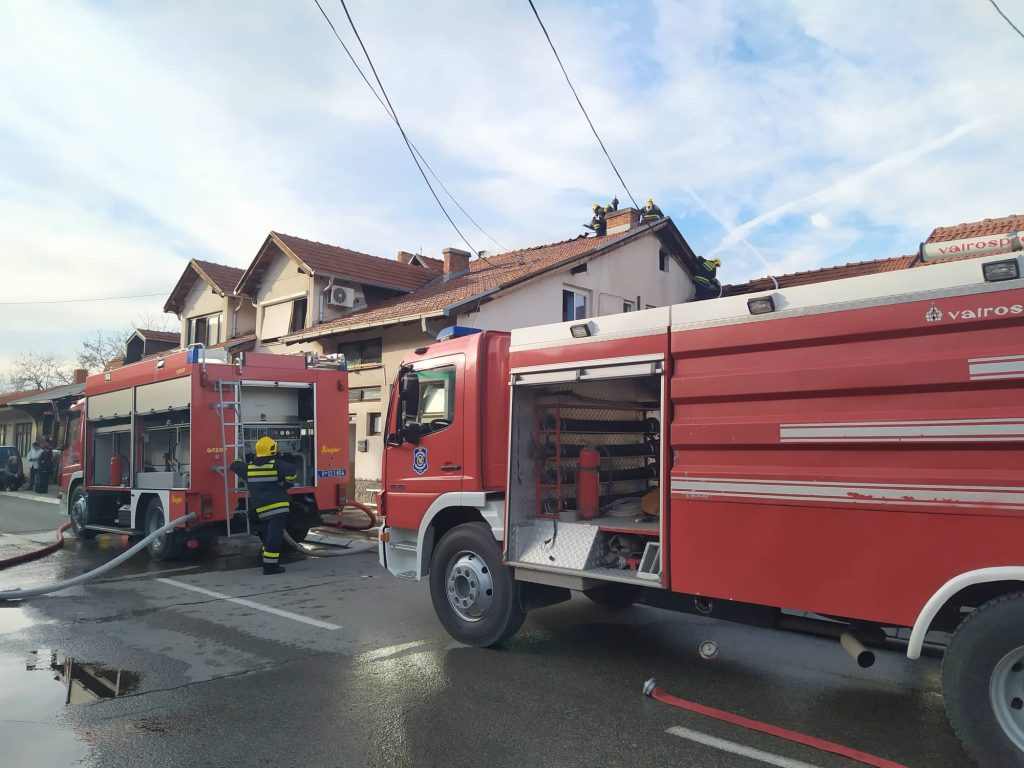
(29, 556)
(22, 594)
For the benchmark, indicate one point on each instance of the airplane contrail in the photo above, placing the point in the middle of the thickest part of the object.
(882, 167)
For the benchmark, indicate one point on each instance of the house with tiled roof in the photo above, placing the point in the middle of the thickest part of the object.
(27, 415)
(210, 309)
(145, 342)
(962, 241)
(315, 297)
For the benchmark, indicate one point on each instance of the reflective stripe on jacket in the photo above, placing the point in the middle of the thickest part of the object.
(266, 478)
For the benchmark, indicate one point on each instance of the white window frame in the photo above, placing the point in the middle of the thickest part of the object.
(190, 333)
(587, 302)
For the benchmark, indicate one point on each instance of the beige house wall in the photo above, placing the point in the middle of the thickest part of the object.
(203, 300)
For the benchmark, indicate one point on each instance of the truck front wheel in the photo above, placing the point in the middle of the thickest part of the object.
(474, 594)
(983, 682)
(78, 508)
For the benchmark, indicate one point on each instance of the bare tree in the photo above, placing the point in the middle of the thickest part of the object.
(34, 371)
(98, 351)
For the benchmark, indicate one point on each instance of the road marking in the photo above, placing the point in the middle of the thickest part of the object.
(33, 497)
(737, 749)
(250, 604)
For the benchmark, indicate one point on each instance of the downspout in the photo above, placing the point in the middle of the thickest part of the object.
(320, 302)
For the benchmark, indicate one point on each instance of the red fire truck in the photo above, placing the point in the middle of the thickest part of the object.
(846, 456)
(153, 441)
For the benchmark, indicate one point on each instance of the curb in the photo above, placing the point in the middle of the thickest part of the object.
(45, 498)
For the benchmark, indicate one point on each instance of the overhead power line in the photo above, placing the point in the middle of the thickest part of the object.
(582, 108)
(390, 109)
(1007, 18)
(416, 149)
(76, 301)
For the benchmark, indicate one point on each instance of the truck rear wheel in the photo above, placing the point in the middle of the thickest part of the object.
(983, 682)
(474, 594)
(170, 544)
(78, 511)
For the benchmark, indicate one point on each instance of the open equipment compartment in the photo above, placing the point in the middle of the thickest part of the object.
(585, 462)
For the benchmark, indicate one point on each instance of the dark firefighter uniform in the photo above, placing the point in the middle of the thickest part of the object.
(268, 479)
(706, 280)
(650, 212)
(597, 223)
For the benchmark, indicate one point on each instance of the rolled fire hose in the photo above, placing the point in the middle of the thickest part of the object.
(21, 594)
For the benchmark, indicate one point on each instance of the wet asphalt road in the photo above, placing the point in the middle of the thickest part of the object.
(375, 681)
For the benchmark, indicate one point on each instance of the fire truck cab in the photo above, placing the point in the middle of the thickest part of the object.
(154, 440)
(846, 457)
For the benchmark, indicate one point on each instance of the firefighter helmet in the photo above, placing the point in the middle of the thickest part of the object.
(650, 201)
(596, 207)
(266, 446)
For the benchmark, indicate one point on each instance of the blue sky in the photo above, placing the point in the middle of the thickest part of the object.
(780, 135)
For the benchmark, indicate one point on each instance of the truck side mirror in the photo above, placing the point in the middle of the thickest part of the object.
(410, 396)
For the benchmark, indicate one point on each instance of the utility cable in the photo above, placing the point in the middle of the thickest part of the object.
(414, 147)
(1007, 18)
(75, 301)
(582, 108)
(394, 116)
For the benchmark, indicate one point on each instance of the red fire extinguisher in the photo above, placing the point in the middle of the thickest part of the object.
(588, 483)
(116, 469)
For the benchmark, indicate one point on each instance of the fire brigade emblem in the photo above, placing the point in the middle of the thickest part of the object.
(933, 315)
(419, 461)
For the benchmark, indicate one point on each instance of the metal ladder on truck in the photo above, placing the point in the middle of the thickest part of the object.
(229, 411)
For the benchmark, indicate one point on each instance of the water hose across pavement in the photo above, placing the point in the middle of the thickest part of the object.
(29, 556)
(21, 594)
(655, 691)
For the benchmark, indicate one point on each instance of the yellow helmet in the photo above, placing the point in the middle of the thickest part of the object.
(596, 207)
(650, 201)
(266, 446)
(716, 262)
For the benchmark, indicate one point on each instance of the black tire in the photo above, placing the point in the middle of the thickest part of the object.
(80, 516)
(614, 595)
(466, 566)
(984, 660)
(168, 546)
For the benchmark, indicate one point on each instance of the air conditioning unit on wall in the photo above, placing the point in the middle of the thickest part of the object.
(341, 296)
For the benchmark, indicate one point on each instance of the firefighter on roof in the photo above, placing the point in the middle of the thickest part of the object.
(650, 212)
(268, 479)
(705, 280)
(597, 223)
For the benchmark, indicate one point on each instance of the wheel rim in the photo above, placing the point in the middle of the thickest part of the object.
(469, 586)
(156, 519)
(80, 512)
(1006, 691)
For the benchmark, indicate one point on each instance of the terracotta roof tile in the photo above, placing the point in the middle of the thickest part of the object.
(1014, 223)
(822, 275)
(223, 277)
(168, 337)
(353, 265)
(496, 272)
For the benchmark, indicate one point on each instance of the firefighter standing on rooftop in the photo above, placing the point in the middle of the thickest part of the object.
(268, 479)
(650, 212)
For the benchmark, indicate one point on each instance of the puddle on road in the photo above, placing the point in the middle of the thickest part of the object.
(83, 683)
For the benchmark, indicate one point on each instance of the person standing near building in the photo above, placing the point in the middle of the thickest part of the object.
(268, 479)
(45, 466)
(33, 465)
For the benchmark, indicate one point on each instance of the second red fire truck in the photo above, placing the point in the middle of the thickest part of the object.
(152, 441)
(846, 456)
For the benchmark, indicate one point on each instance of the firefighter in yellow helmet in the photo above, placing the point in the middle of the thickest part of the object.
(268, 479)
(706, 279)
(650, 212)
(597, 223)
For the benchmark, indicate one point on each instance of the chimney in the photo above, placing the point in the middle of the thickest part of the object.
(405, 257)
(79, 375)
(621, 220)
(456, 263)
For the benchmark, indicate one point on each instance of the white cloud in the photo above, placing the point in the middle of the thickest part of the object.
(135, 136)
